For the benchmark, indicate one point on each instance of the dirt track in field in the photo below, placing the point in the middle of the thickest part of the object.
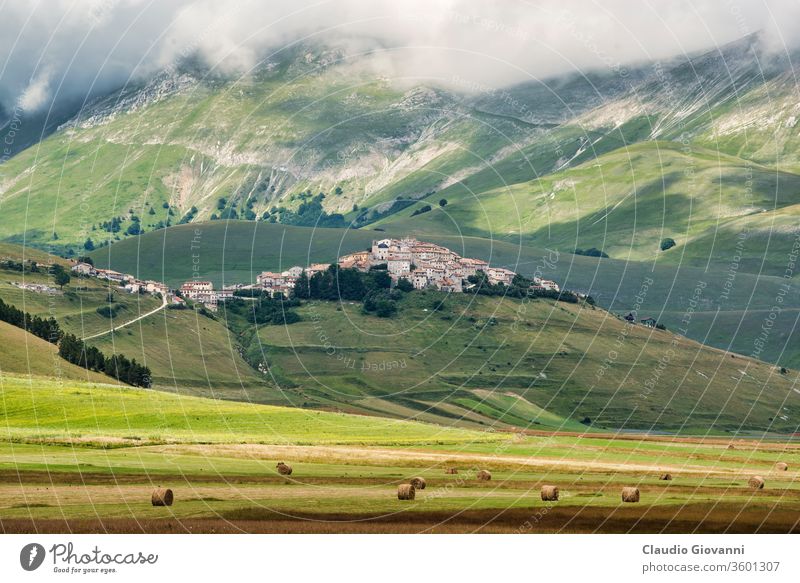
(723, 518)
(416, 458)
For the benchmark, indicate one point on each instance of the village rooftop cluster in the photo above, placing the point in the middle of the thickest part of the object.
(126, 281)
(423, 264)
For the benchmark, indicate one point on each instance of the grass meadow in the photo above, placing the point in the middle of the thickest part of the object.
(81, 457)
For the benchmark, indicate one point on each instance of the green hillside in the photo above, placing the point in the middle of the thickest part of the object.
(189, 352)
(24, 354)
(541, 364)
(730, 313)
(107, 414)
(182, 348)
(76, 306)
(610, 167)
(475, 362)
(625, 202)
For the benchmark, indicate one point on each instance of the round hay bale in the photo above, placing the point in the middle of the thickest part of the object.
(162, 497)
(630, 494)
(284, 469)
(781, 466)
(756, 483)
(730, 446)
(549, 493)
(666, 476)
(484, 475)
(405, 492)
(418, 483)
(450, 471)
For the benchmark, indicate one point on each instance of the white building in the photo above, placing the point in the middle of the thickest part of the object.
(398, 268)
(293, 272)
(83, 269)
(199, 291)
(499, 275)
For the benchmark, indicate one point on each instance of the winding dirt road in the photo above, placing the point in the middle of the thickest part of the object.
(128, 323)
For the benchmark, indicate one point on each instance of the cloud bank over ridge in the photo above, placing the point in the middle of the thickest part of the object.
(71, 49)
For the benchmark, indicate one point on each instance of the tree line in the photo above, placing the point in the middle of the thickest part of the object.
(520, 287)
(372, 288)
(45, 328)
(74, 350)
(264, 309)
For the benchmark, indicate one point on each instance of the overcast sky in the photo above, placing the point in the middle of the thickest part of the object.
(69, 48)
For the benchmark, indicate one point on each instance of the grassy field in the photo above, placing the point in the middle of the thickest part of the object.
(75, 307)
(541, 364)
(50, 411)
(189, 351)
(85, 457)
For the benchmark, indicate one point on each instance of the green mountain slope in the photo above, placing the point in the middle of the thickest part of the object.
(541, 162)
(626, 201)
(307, 120)
(472, 362)
(729, 311)
(511, 362)
(24, 354)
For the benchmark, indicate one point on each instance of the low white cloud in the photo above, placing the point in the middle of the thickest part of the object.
(36, 94)
(53, 49)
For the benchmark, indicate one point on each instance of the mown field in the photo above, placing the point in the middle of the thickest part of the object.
(85, 458)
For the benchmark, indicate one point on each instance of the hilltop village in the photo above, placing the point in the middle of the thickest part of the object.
(422, 264)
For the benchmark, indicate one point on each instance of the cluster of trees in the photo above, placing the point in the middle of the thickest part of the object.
(311, 214)
(27, 266)
(371, 215)
(372, 288)
(226, 211)
(187, 218)
(61, 276)
(265, 310)
(112, 226)
(135, 228)
(591, 252)
(382, 302)
(74, 350)
(480, 285)
(47, 329)
(341, 284)
(667, 243)
(423, 209)
(520, 287)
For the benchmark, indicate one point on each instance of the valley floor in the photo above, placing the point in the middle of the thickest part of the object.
(59, 487)
(85, 457)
